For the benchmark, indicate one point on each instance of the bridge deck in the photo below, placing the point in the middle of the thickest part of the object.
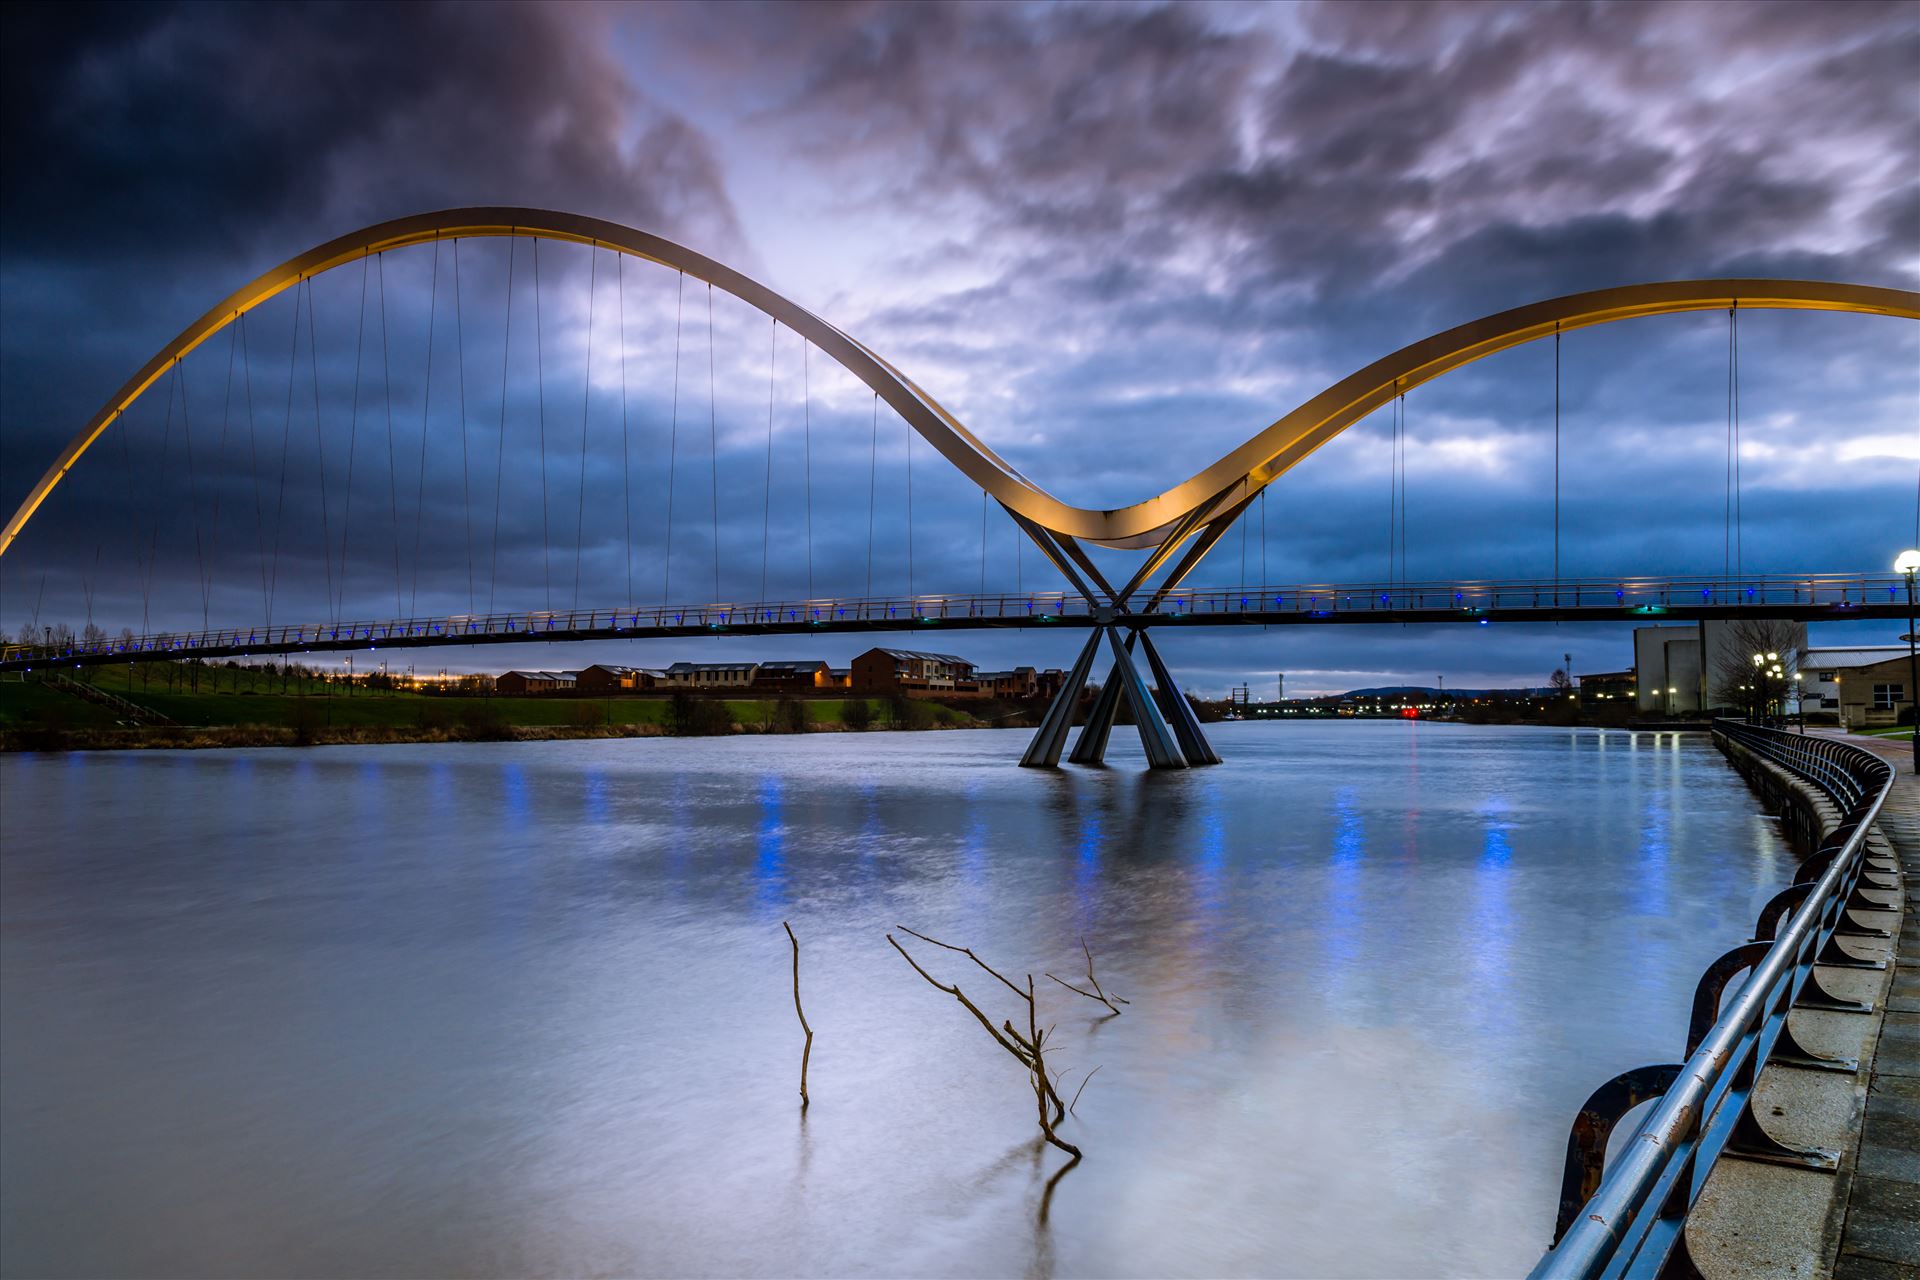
(1807, 598)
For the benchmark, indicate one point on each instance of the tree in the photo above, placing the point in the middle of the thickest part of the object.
(1560, 682)
(1756, 688)
(857, 713)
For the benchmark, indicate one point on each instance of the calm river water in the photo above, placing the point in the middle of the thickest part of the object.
(524, 1009)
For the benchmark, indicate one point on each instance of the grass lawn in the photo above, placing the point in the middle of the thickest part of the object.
(25, 703)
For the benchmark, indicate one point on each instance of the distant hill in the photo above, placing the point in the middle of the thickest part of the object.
(1422, 691)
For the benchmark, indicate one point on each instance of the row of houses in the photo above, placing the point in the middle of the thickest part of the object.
(878, 672)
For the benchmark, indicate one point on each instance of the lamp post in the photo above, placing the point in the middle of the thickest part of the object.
(1909, 564)
(1800, 700)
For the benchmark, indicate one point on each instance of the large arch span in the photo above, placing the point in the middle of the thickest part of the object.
(1161, 522)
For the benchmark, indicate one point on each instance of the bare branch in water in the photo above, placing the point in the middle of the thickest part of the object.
(968, 953)
(807, 1050)
(1082, 1089)
(1112, 1002)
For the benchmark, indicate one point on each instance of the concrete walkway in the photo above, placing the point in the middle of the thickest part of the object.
(1880, 1233)
(1757, 1220)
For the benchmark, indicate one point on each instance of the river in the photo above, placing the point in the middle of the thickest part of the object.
(526, 1009)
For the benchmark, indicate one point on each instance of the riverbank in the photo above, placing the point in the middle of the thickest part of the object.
(36, 716)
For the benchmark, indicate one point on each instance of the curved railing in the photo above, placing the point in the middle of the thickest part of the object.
(1631, 1219)
(1835, 593)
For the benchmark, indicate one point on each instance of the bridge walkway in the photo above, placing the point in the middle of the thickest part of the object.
(1880, 1234)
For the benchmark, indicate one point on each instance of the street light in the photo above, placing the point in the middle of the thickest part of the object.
(1909, 564)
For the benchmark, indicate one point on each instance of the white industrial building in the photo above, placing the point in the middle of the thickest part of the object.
(1674, 665)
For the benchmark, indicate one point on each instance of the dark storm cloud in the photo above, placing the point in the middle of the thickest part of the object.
(1116, 239)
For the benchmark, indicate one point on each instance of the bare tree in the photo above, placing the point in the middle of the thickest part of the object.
(1754, 667)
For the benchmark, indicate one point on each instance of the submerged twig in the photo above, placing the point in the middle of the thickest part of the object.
(806, 1050)
(1111, 1001)
(1082, 1089)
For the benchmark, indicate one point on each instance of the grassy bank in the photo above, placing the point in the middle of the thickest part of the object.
(34, 716)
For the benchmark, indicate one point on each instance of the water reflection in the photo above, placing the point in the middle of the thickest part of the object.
(525, 1009)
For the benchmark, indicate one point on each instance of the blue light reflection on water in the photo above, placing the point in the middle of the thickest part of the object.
(537, 982)
(770, 858)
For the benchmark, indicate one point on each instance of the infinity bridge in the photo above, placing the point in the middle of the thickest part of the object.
(1174, 529)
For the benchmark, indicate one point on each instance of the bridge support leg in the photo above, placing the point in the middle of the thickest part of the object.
(1162, 751)
(1091, 747)
(1044, 751)
(1186, 725)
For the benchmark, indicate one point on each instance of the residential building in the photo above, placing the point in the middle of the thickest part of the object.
(887, 671)
(523, 682)
(1827, 672)
(1021, 682)
(787, 677)
(601, 679)
(711, 675)
(1873, 695)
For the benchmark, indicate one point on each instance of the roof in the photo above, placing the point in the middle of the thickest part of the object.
(1609, 675)
(693, 668)
(811, 664)
(917, 656)
(564, 677)
(618, 671)
(1866, 656)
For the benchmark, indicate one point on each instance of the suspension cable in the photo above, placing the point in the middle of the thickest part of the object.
(320, 449)
(713, 446)
(626, 467)
(1404, 574)
(1392, 486)
(426, 417)
(500, 445)
(540, 386)
(909, 430)
(460, 360)
(393, 468)
(1727, 521)
(153, 544)
(353, 428)
(1556, 462)
(673, 436)
(586, 406)
(286, 447)
(193, 495)
(806, 441)
(1739, 565)
(133, 518)
(983, 542)
(253, 455)
(873, 475)
(766, 491)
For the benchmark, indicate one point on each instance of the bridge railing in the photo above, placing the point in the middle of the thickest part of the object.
(1630, 1220)
(1650, 596)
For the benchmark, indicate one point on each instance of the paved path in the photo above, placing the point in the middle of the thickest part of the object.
(1880, 1236)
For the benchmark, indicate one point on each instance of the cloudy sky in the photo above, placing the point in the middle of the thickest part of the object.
(1114, 240)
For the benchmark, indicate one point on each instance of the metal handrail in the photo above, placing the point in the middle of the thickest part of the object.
(1634, 1221)
(1440, 599)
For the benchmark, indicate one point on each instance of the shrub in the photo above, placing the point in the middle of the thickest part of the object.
(856, 713)
(789, 716)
